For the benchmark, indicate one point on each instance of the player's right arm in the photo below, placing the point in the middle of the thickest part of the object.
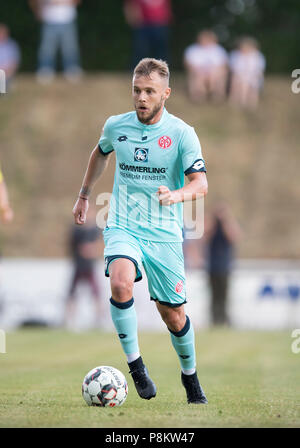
(97, 163)
(96, 166)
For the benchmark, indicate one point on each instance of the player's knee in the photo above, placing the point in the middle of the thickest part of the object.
(121, 289)
(174, 320)
(175, 325)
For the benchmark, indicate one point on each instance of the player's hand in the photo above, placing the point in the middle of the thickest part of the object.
(165, 195)
(80, 210)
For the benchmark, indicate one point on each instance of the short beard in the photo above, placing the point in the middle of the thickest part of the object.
(154, 112)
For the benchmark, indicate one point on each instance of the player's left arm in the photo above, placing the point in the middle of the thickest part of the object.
(194, 168)
(195, 189)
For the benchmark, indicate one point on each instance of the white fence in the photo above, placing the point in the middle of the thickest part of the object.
(262, 295)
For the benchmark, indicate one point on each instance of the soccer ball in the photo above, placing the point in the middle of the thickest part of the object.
(104, 386)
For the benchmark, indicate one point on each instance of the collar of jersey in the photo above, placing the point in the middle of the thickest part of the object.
(152, 126)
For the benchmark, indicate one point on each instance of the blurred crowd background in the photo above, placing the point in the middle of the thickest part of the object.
(106, 31)
(68, 66)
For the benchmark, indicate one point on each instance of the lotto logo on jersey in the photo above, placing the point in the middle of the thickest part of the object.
(198, 165)
(179, 287)
(141, 154)
(165, 142)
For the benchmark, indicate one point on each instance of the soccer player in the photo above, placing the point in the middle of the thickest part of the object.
(154, 150)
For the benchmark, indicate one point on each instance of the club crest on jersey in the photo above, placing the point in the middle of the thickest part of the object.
(165, 142)
(141, 155)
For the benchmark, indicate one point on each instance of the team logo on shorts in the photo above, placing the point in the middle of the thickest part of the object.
(179, 287)
(141, 155)
(165, 142)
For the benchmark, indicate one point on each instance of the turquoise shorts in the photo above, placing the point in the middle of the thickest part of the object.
(163, 264)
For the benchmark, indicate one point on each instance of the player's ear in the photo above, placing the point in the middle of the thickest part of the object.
(167, 93)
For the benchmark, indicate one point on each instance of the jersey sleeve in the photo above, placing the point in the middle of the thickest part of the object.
(191, 154)
(1, 175)
(105, 142)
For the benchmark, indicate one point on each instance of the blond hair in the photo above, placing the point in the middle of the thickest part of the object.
(148, 65)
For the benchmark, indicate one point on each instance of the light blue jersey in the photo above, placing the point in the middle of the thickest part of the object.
(148, 156)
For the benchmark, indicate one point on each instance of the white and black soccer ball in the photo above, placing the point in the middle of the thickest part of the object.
(104, 386)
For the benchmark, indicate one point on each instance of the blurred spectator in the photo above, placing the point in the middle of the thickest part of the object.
(150, 21)
(9, 54)
(6, 212)
(222, 232)
(59, 29)
(206, 64)
(247, 65)
(85, 246)
(193, 253)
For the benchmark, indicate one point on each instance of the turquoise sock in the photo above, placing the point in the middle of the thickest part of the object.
(125, 321)
(184, 343)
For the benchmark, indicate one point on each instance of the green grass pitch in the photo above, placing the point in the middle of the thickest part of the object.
(251, 380)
